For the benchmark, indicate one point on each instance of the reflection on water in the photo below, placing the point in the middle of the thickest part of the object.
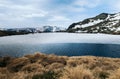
(69, 49)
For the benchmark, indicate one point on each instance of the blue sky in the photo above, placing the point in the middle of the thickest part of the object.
(62, 13)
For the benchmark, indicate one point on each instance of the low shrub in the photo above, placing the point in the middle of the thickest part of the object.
(103, 75)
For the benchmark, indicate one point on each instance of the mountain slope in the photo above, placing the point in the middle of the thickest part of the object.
(102, 23)
(20, 31)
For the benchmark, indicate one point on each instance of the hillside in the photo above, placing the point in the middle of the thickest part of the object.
(42, 66)
(102, 23)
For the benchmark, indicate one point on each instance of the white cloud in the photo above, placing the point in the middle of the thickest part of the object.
(19, 12)
(114, 5)
(81, 5)
(33, 15)
(25, 11)
(86, 3)
(76, 9)
(58, 18)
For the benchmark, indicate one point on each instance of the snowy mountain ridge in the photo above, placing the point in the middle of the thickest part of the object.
(20, 31)
(35, 30)
(102, 23)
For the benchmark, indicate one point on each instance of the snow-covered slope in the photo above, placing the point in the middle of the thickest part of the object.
(50, 29)
(103, 23)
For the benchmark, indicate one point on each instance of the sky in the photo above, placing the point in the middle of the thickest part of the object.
(61, 13)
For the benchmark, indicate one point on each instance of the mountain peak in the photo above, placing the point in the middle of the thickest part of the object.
(102, 16)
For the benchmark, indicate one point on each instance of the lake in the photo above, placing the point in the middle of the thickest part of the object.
(68, 44)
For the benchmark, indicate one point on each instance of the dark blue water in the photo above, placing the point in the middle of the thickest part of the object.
(68, 49)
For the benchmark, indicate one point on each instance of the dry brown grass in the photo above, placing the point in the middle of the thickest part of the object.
(33, 68)
(43, 66)
(78, 72)
(16, 64)
(115, 74)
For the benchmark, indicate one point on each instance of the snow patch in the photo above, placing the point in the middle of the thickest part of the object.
(91, 23)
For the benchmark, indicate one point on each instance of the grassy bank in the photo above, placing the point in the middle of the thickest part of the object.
(42, 66)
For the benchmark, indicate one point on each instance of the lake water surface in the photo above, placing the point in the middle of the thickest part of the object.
(69, 44)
